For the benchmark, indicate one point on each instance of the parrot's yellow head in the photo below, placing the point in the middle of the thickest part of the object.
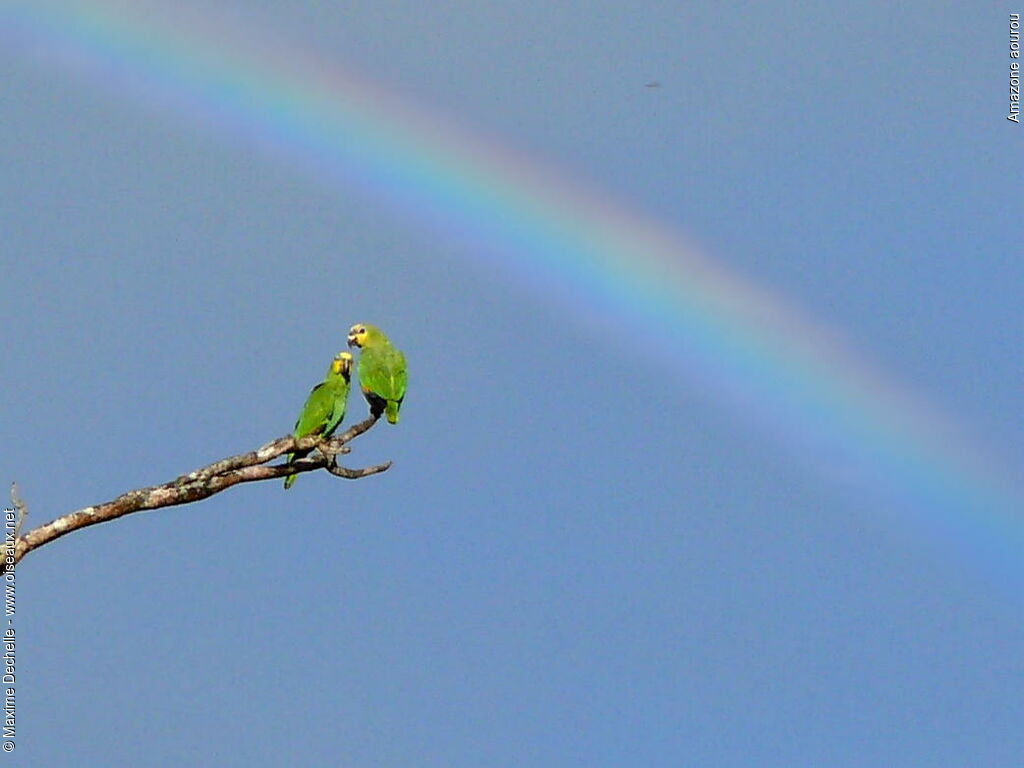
(342, 364)
(361, 334)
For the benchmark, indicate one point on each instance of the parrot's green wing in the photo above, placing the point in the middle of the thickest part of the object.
(383, 377)
(316, 411)
(317, 417)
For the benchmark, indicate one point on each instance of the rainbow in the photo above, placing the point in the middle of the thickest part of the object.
(778, 367)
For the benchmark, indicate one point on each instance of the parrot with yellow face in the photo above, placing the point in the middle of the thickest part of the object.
(382, 371)
(325, 406)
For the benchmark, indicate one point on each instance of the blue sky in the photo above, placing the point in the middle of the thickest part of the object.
(578, 558)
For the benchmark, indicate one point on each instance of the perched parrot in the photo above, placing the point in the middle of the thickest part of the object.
(382, 372)
(325, 406)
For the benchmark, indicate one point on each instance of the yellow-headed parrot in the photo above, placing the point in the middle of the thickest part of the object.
(382, 371)
(325, 406)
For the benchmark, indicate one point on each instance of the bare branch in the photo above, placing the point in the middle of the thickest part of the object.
(355, 474)
(202, 483)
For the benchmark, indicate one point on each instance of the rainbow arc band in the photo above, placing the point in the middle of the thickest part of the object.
(600, 261)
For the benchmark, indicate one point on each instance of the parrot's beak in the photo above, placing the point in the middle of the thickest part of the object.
(352, 342)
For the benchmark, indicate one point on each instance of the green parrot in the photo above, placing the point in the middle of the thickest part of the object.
(325, 406)
(382, 372)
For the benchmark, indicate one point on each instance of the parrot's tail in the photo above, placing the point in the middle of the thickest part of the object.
(391, 411)
(290, 480)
